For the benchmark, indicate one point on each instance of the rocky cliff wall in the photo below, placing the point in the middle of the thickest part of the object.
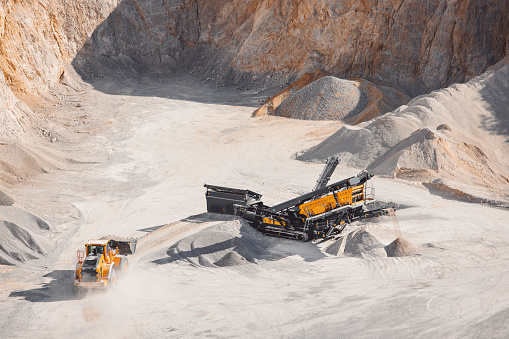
(38, 39)
(414, 45)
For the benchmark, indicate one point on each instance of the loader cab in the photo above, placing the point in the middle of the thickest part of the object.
(99, 248)
(95, 249)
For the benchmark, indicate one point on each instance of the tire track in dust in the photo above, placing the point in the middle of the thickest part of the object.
(447, 305)
(191, 158)
(485, 283)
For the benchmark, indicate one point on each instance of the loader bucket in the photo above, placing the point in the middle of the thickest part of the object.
(124, 247)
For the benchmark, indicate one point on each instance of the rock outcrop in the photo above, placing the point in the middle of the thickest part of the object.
(412, 45)
(39, 37)
(38, 40)
(416, 46)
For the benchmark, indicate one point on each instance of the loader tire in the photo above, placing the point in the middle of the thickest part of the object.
(112, 278)
(124, 265)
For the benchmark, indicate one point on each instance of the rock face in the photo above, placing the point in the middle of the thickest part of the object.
(414, 45)
(38, 39)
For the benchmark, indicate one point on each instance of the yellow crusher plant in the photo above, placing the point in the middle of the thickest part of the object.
(322, 213)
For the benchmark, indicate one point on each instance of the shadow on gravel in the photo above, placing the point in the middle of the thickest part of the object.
(150, 229)
(60, 288)
(494, 94)
(205, 250)
(450, 193)
(180, 86)
(197, 219)
(208, 217)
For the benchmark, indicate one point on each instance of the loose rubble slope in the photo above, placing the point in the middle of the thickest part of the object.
(458, 133)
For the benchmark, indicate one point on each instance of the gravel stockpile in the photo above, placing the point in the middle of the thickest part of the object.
(203, 261)
(272, 103)
(363, 244)
(427, 141)
(231, 259)
(401, 248)
(217, 246)
(359, 243)
(328, 98)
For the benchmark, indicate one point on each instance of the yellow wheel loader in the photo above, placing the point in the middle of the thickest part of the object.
(102, 262)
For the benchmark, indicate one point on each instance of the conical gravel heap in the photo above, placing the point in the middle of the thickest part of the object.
(401, 248)
(328, 98)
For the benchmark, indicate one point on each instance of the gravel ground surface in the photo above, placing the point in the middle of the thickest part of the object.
(139, 165)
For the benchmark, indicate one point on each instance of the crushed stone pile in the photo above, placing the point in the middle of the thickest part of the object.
(203, 261)
(444, 152)
(318, 95)
(336, 248)
(272, 103)
(426, 139)
(235, 243)
(23, 236)
(231, 259)
(401, 247)
(359, 243)
(218, 246)
(328, 98)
